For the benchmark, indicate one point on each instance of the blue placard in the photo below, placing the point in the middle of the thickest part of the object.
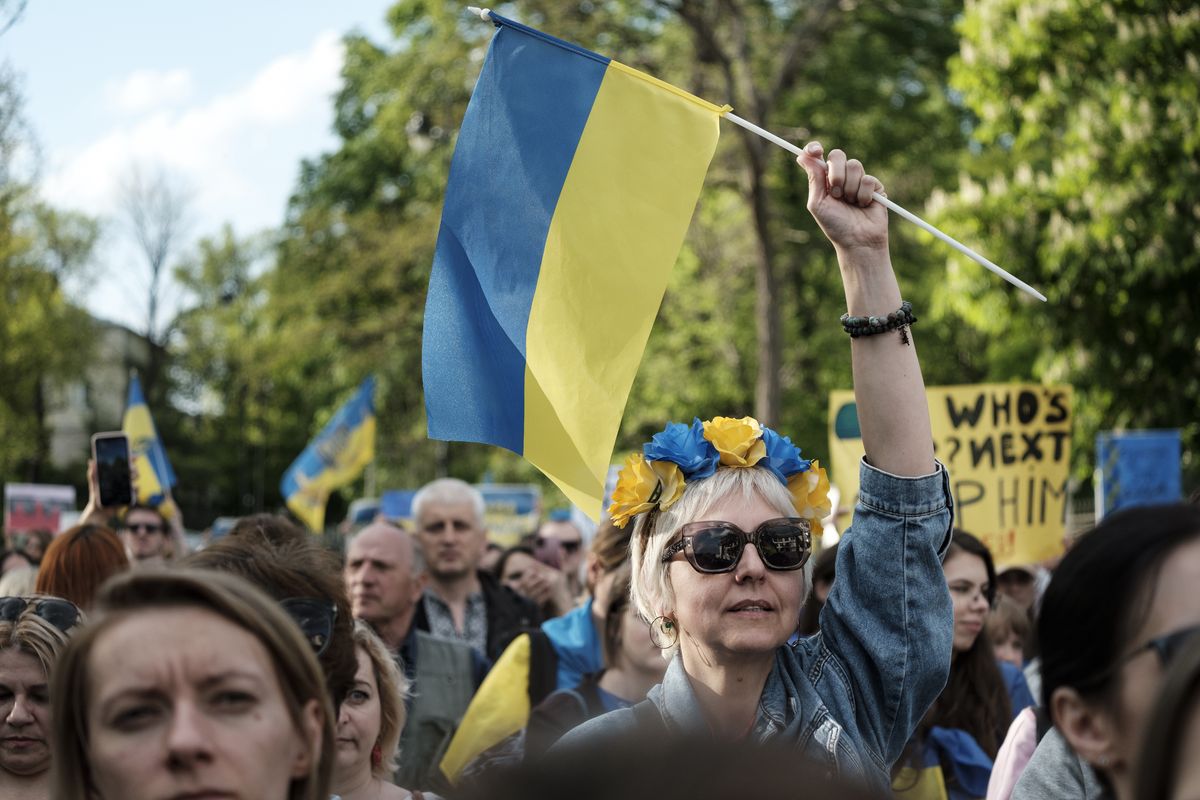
(1137, 468)
(396, 504)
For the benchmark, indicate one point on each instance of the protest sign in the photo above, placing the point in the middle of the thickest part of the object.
(1136, 468)
(510, 511)
(1007, 448)
(36, 506)
(396, 505)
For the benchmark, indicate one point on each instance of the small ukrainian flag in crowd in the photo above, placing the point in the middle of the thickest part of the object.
(154, 474)
(337, 455)
(571, 189)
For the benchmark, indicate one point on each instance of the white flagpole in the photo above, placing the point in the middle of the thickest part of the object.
(908, 215)
(485, 15)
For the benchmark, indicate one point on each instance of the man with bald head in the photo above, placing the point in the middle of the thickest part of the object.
(385, 578)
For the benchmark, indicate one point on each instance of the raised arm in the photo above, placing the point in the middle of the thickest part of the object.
(888, 387)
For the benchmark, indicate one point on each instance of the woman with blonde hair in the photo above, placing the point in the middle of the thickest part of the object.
(33, 632)
(369, 724)
(724, 511)
(190, 683)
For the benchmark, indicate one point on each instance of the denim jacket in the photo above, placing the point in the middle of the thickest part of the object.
(851, 695)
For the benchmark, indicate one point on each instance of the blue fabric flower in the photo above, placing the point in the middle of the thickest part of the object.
(686, 446)
(783, 457)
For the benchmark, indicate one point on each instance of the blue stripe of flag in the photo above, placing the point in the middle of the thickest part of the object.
(517, 141)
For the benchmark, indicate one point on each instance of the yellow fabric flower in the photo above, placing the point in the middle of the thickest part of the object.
(643, 485)
(810, 492)
(739, 441)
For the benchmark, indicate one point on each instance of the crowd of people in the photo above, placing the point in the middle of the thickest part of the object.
(692, 646)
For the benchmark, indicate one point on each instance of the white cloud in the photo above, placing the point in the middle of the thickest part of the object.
(238, 152)
(147, 89)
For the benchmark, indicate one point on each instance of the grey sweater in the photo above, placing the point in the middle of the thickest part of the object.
(1056, 772)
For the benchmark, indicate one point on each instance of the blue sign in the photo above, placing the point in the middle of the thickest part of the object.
(1137, 468)
(396, 504)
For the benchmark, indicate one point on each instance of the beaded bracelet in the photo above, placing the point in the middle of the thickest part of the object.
(869, 326)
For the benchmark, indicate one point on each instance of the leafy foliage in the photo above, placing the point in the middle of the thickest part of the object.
(44, 339)
(1083, 176)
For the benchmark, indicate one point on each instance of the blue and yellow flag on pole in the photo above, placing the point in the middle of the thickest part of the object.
(154, 474)
(571, 189)
(337, 455)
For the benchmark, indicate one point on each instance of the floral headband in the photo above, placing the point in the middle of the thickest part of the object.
(654, 479)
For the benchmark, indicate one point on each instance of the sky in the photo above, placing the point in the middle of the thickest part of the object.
(225, 97)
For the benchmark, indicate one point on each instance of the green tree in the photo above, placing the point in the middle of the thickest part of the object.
(1083, 178)
(44, 338)
(217, 423)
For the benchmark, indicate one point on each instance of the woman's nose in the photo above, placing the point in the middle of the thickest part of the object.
(20, 714)
(750, 566)
(188, 739)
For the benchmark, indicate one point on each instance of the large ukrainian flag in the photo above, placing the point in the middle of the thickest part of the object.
(335, 457)
(571, 188)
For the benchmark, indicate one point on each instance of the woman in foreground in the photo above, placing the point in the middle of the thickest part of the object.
(724, 511)
(190, 684)
(1120, 607)
(33, 632)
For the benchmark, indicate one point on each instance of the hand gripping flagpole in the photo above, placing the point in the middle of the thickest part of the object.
(908, 215)
(485, 15)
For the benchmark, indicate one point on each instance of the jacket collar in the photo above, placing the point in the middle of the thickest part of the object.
(677, 703)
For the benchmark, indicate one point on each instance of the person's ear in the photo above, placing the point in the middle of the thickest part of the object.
(310, 732)
(1091, 732)
(418, 585)
(594, 570)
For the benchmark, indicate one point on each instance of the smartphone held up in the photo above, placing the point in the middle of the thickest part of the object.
(110, 451)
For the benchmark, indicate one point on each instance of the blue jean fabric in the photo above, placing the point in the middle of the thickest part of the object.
(851, 695)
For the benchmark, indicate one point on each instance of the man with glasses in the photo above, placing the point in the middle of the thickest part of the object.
(385, 575)
(461, 601)
(146, 537)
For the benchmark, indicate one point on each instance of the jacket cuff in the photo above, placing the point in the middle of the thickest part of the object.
(904, 496)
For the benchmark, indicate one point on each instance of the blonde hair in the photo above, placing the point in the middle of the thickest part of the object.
(650, 584)
(18, 582)
(227, 596)
(393, 691)
(31, 634)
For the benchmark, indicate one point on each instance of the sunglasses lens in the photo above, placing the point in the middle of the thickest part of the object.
(59, 613)
(716, 549)
(314, 618)
(783, 546)
(11, 608)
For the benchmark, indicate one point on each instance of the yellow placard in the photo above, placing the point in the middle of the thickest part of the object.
(1007, 447)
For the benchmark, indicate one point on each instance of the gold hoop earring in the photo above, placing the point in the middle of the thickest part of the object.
(664, 633)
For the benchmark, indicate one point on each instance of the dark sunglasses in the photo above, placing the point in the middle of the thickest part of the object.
(782, 544)
(1167, 646)
(148, 527)
(568, 547)
(62, 614)
(315, 618)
